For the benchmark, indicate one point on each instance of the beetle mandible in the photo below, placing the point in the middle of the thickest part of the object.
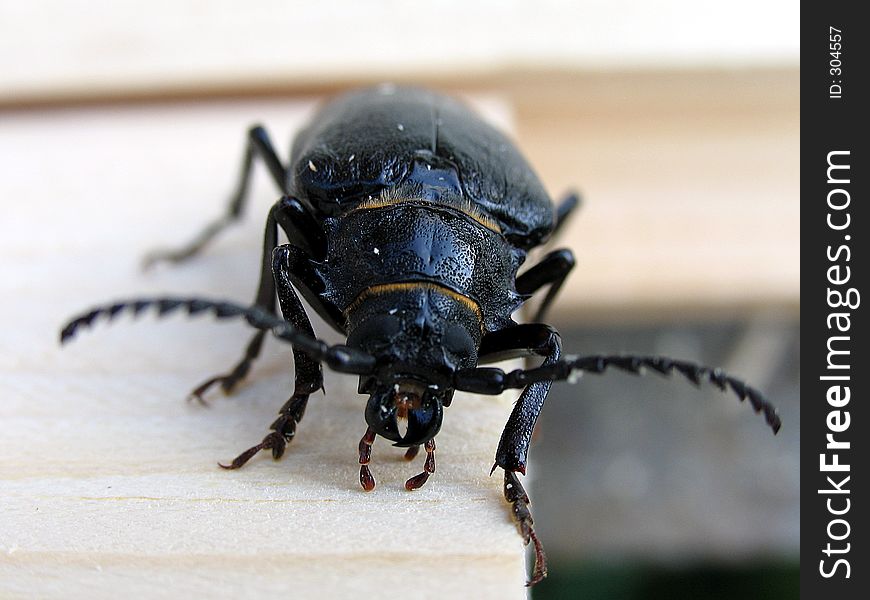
(408, 218)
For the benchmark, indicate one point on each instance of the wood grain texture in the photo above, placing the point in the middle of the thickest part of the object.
(109, 478)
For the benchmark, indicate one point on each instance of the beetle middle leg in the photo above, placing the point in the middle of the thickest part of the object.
(297, 223)
(552, 270)
(566, 207)
(258, 145)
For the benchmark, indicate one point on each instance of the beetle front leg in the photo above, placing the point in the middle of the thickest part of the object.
(514, 444)
(297, 224)
(516, 494)
(309, 374)
(284, 428)
(543, 340)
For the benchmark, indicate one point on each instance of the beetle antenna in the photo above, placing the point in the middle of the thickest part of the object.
(338, 358)
(494, 381)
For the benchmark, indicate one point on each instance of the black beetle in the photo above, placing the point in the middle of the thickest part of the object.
(408, 218)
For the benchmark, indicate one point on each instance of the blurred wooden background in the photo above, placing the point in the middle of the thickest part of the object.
(678, 122)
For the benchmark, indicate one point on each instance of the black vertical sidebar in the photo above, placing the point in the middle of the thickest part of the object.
(835, 562)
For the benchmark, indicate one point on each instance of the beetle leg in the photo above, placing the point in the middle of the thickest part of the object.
(309, 374)
(519, 499)
(284, 427)
(296, 222)
(266, 299)
(298, 266)
(569, 203)
(552, 270)
(229, 381)
(411, 453)
(283, 431)
(417, 481)
(365, 456)
(258, 145)
(532, 338)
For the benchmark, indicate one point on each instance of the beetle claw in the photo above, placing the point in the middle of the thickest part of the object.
(283, 431)
(227, 382)
(274, 441)
(366, 479)
(540, 570)
(519, 499)
(198, 398)
(242, 458)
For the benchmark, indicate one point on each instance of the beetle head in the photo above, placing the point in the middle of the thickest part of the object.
(419, 335)
(406, 411)
(420, 331)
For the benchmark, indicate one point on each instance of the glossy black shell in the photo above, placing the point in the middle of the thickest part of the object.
(364, 142)
(406, 243)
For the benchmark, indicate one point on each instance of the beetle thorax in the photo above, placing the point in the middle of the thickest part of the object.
(399, 247)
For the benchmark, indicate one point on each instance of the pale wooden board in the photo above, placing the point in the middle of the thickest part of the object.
(691, 184)
(83, 49)
(109, 479)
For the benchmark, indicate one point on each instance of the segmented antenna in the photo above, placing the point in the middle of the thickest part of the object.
(494, 381)
(339, 358)
(482, 380)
